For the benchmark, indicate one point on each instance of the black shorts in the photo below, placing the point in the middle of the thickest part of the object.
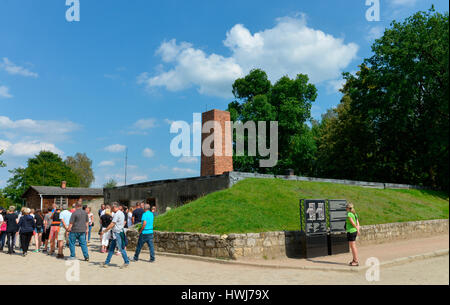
(352, 236)
(46, 234)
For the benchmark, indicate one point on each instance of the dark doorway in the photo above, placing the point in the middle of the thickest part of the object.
(125, 202)
(151, 202)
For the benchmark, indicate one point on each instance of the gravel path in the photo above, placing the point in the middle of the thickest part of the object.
(38, 268)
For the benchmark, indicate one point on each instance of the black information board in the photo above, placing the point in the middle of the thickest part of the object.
(315, 216)
(338, 214)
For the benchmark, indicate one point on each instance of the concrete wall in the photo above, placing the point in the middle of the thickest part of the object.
(271, 245)
(238, 176)
(167, 193)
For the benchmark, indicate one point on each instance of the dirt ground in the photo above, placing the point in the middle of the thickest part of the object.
(38, 268)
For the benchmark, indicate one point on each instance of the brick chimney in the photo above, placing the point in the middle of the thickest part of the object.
(63, 184)
(217, 165)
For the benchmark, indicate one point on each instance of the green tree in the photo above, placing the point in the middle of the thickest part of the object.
(45, 169)
(5, 202)
(110, 184)
(81, 165)
(288, 101)
(2, 163)
(16, 185)
(393, 121)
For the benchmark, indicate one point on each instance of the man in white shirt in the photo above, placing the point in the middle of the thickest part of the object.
(116, 226)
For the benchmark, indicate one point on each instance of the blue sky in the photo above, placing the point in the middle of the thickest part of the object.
(120, 75)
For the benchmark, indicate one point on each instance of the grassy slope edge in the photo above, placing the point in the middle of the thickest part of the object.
(262, 205)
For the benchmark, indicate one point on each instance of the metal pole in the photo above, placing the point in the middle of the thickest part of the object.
(126, 161)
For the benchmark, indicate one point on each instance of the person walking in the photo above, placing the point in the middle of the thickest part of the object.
(91, 224)
(47, 227)
(137, 213)
(62, 234)
(79, 223)
(2, 229)
(11, 228)
(155, 213)
(26, 227)
(116, 226)
(39, 220)
(54, 230)
(105, 220)
(352, 228)
(130, 217)
(146, 235)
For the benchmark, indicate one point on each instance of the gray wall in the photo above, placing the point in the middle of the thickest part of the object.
(238, 176)
(168, 193)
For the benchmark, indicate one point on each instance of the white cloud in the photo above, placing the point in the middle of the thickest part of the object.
(148, 153)
(188, 160)
(404, 2)
(27, 149)
(13, 69)
(106, 163)
(335, 85)
(179, 170)
(49, 129)
(375, 33)
(213, 74)
(145, 124)
(289, 48)
(4, 92)
(115, 148)
(139, 178)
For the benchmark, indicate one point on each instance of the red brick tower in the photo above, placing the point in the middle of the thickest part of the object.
(217, 165)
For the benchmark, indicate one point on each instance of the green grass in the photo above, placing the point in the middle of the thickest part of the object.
(261, 205)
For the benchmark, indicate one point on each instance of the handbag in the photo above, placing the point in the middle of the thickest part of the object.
(3, 227)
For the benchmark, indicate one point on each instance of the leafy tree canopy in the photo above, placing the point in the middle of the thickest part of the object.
(288, 101)
(81, 165)
(45, 169)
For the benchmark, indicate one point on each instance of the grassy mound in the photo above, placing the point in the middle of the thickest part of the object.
(260, 205)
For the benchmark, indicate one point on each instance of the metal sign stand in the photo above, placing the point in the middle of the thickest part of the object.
(314, 229)
(317, 238)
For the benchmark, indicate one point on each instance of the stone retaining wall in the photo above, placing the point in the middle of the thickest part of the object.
(271, 245)
(375, 234)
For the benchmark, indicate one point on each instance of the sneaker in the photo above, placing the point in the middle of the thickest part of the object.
(124, 266)
(104, 265)
(152, 261)
(133, 259)
(60, 256)
(71, 258)
(86, 259)
(24, 254)
(35, 251)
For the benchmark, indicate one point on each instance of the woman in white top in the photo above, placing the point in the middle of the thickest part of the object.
(91, 224)
(129, 218)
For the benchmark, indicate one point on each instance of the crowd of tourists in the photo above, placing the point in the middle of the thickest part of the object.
(55, 229)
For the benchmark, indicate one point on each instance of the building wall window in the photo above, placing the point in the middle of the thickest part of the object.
(62, 202)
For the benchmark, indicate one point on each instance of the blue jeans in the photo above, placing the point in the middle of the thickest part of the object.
(81, 237)
(117, 241)
(89, 233)
(145, 238)
(2, 239)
